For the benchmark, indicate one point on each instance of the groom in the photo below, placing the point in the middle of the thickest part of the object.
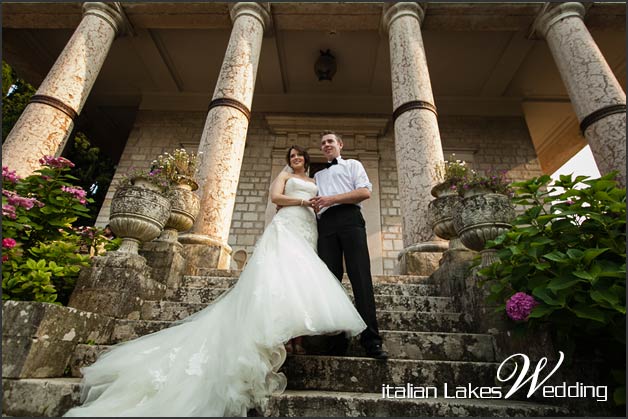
(341, 231)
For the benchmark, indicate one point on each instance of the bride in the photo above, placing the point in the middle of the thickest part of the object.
(224, 359)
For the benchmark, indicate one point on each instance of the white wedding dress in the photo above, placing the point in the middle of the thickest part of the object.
(224, 359)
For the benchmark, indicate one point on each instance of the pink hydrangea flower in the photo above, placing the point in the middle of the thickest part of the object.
(56, 162)
(9, 175)
(78, 192)
(520, 305)
(16, 200)
(9, 211)
(8, 243)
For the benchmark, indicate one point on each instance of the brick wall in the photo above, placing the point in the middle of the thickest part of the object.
(153, 133)
(392, 240)
(500, 143)
(247, 224)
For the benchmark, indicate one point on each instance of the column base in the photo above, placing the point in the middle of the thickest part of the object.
(422, 258)
(203, 253)
(166, 261)
(116, 285)
(453, 269)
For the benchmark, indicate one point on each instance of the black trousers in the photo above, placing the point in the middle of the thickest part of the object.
(341, 232)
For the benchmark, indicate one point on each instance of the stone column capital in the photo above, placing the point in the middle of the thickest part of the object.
(393, 11)
(111, 13)
(555, 12)
(259, 11)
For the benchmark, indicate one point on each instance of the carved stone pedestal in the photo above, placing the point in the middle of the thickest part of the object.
(166, 261)
(421, 259)
(203, 253)
(116, 285)
(453, 270)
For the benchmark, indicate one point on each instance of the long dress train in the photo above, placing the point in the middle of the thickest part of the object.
(224, 359)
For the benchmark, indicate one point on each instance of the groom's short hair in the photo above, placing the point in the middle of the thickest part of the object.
(330, 132)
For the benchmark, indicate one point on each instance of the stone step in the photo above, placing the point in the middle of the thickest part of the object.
(39, 397)
(434, 346)
(198, 289)
(203, 273)
(387, 320)
(294, 403)
(52, 397)
(421, 321)
(366, 375)
(176, 310)
(400, 345)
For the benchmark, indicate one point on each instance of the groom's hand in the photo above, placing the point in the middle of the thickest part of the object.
(320, 202)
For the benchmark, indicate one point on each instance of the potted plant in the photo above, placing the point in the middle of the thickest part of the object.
(178, 169)
(140, 208)
(484, 212)
(451, 174)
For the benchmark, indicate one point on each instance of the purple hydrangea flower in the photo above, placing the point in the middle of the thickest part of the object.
(520, 305)
(55, 162)
(9, 175)
(76, 191)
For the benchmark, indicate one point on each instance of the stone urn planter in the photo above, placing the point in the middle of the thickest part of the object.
(184, 207)
(481, 216)
(440, 214)
(138, 214)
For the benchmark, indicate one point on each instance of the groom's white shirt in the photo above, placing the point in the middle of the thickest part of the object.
(346, 176)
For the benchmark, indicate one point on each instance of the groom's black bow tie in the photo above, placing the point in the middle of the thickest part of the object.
(331, 163)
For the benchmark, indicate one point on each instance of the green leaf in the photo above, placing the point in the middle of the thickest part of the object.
(541, 241)
(590, 254)
(541, 311)
(575, 254)
(584, 275)
(588, 312)
(562, 283)
(556, 256)
(619, 395)
(601, 296)
(543, 294)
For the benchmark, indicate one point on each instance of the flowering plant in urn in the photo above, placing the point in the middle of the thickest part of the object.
(491, 181)
(451, 173)
(178, 167)
(154, 179)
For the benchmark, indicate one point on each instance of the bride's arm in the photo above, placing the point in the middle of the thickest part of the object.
(277, 193)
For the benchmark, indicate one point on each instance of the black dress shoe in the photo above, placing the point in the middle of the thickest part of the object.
(377, 352)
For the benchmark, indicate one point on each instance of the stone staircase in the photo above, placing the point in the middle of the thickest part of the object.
(428, 342)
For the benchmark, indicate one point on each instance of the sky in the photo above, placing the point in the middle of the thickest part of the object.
(580, 164)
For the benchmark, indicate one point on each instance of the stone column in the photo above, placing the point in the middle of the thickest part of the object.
(417, 139)
(47, 121)
(595, 93)
(223, 139)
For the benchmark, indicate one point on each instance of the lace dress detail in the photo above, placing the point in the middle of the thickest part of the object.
(299, 220)
(225, 359)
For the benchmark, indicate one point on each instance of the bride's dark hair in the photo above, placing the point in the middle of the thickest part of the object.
(301, 151)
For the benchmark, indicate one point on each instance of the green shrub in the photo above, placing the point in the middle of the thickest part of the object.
(42, 252)
(568, 251)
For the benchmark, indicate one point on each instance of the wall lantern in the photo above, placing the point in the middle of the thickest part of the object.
(325, 66)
